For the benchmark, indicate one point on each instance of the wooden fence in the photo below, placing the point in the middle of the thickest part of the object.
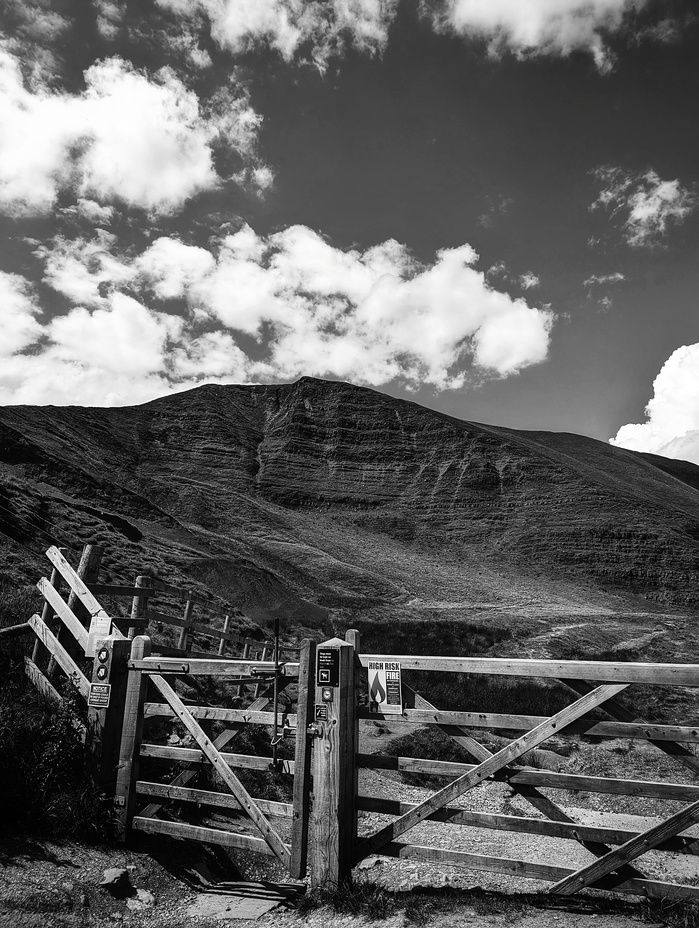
(323, 828)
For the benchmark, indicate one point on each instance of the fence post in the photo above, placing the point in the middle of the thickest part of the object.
(139, 608)
(105, 712)
(223, 642)
(132, 731)
(302, 761)
(353, 636)
(39, 652)
(334, 762)
(183, 642)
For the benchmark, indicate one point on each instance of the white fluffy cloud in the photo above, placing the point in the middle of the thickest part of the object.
(537, 27)
(289, 25)
(128, 138)
(260, 308)
(646, 204)
(19, 325)
(672, 424)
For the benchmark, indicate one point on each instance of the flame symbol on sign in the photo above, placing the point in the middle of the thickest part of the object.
(377, 692)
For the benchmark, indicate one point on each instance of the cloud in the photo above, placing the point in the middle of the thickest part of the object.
(646, 205)
(600, 280)
(537, 27)
(129, 138)
(317, 29)
(672, 415)
(262, 308)
(19, 325)
(529, 281)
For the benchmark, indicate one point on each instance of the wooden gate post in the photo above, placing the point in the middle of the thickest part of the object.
(132, 731)
(139, 608)
(334, 761)
(105, 711)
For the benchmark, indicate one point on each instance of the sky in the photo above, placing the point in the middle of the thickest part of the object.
(490, 207)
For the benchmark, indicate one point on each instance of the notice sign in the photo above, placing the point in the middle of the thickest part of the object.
(99, 695)
(385, 694)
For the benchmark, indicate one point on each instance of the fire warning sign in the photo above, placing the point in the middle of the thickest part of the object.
(385, 693)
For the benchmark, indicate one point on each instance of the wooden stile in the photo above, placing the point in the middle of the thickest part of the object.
(61, 656)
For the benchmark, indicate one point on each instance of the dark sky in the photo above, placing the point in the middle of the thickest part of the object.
(488, 209)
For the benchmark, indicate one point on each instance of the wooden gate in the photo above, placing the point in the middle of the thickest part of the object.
(141, 803)
(615, 851)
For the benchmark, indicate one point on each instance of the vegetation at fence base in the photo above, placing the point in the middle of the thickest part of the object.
(43, 787)
(262, 784)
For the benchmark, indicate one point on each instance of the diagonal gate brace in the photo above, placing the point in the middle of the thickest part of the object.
(224, 771)
(491, 765)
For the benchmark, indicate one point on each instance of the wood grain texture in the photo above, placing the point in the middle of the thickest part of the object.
(603, 671)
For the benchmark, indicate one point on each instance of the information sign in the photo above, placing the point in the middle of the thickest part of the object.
(99, 695)
(328, 665)
(385, 693)
(100, 627)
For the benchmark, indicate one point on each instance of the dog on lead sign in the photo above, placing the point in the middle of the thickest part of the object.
(385, 693)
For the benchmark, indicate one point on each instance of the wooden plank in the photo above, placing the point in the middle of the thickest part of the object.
(60, 607)
(194, 756)
(302, 762)
(14, 631)
(604, 671)
(129, 748)
(529, 870)
(520, 868)
(533, 796)
(183, 640)
(532, 826)
(63, 659)
(204, 835)
(210, 798)
(487, 768)
(224, 771)
(223, 667)
(77, 585)
(221, 715)
(640, 730)
(39, 653)
(118, 589)
(633, 848)
(619, 712)
(517, 776)
(44, 686)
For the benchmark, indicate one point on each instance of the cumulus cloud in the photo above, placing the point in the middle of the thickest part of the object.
(646, 205)
(129, 138)
(258, 307)
(672, 415)
(317, 28)
(537, 27)
(19, 324)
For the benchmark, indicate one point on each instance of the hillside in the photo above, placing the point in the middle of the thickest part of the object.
(336, 504)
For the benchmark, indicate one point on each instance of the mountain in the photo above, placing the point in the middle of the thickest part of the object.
(333, 505)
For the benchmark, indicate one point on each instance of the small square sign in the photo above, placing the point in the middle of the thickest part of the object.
(321, 713)
(99, 695)
(326, 694)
